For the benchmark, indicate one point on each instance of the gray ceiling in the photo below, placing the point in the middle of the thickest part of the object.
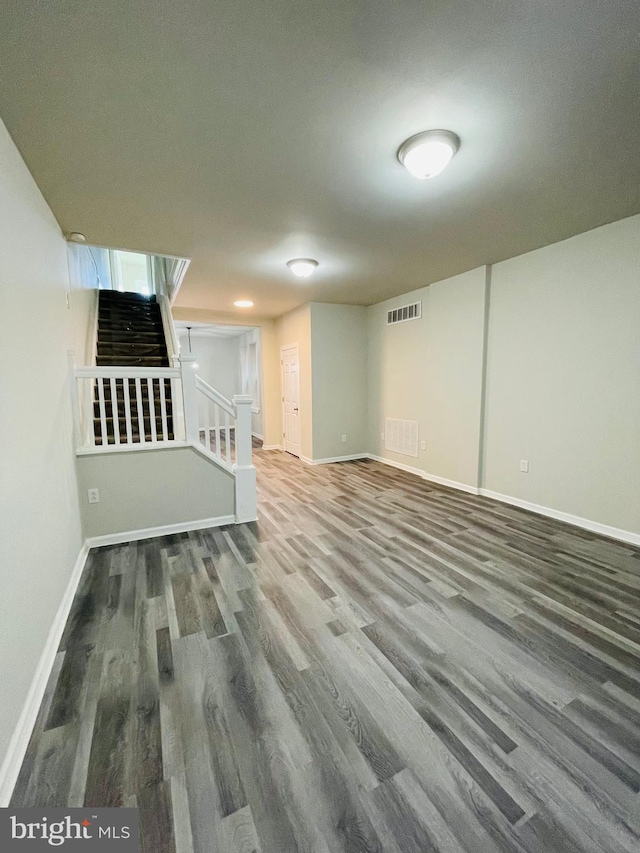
(242, 133)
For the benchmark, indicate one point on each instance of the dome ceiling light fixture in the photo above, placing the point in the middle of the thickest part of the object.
(302, 267)
(426, 154)
(243, 303)
(76, 237)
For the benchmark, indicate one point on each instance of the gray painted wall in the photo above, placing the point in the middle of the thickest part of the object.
(339, 378)
(39, 514)
(430, 370)
(163, 487)
(563, 376)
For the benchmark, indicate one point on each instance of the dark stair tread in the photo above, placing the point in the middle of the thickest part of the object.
(128, 336)
(133, 349)
(131, 334)
(131, 361)
(128, 301)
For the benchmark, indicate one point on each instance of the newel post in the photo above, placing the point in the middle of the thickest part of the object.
(189, 399)
(75, 400)
(246, 500)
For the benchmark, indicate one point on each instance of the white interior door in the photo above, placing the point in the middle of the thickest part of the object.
(291, 398)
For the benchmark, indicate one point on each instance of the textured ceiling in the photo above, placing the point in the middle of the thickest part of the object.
(241, 134)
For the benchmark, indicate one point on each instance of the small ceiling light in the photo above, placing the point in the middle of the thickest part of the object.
(243, 303)
(76, 237)
(302, 267)
(427, 154)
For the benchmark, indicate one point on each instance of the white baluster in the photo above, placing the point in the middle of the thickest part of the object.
(89, 386)
(207, 423)
(152, 409)
(227, 438)
(140, 411)
(103, 415)
(163, 412)
(127, 409)
(216, 415)
(115, 414)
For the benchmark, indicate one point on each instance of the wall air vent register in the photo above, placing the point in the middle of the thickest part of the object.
(404, 313)
(401, 436)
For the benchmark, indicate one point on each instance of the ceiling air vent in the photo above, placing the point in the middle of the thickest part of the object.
(406, 312)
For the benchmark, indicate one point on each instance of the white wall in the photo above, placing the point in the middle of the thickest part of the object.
(430, 370)
(563, 370)
(83, 301)
(339, 379)
(39, 513)
(164, 487)
(218, 360)
(270, 358)
(562, 386)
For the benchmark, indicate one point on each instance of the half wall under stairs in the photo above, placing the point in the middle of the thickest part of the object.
(164, 450)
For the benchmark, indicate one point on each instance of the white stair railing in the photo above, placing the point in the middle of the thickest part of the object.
(222, 430)
(216, 423)
(126, 407)
(130, 408)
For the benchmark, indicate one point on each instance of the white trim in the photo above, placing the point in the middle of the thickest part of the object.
(452, 484)
(137, 447)
(171, 338)
(164, 530)
(401, 465)
(576, 520)
(568, 518)
(257, 435)
(229, 467)
(22, 732)
(432, 478)
(330, 459)
(118, 372)
(271, 447)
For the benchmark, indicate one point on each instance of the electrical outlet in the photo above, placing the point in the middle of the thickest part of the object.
(524, 466)
(94, 496)
(423, 445)
(344, 437)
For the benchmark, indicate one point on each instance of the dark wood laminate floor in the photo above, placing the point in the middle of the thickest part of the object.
(379, 664)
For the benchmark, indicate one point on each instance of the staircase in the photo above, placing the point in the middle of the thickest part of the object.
(131, 334)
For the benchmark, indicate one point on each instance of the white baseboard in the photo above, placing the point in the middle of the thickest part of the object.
(330, 459)
(576, 520)
(432, 478)
(258, 436)
(452, 484)
(401, 465)
(271, 447)
(164, 530)
(22, 733)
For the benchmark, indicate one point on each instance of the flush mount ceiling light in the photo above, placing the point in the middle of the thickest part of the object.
(76, 237)
(427, 154)
(243, 303)
(302, 267)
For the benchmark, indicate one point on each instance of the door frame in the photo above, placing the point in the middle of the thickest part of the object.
(296, 347)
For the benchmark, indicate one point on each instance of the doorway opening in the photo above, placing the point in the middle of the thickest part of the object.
(229, 359)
